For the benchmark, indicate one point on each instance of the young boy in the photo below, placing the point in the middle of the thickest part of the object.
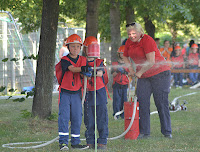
(70, 107)
(194, 63)
(178, 63)
(120, 83)
(101, 102)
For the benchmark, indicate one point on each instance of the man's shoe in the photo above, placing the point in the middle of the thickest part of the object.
(91, 146)
(63, 147)
(143, 136)
(80, 147)
(168, 136)
(102, 146)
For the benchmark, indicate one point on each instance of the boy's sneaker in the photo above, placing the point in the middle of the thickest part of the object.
(91, 146)
(102, 146)
(80, 147)
(63, 147)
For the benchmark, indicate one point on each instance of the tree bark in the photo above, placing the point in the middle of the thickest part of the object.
(130, 15)
(115, 29)
(92, 18)
(149, 26)
(42, 101)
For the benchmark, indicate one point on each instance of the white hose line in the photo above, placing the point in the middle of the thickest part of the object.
(117, 114)
(112, 138)
(85, 88)
(132, 120)
(175, 99)
(55, 139)
(31, 147)
(174, 103)
(154, 112)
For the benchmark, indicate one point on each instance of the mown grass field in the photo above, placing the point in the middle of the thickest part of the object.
(185, 125)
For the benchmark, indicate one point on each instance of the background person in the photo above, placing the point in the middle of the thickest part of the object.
(64, 50)
(153, 78)
(183, 51)
(188, 49)
(194, 63)
(157, 40)
(120, 83)
(166, 50)
(178, 63)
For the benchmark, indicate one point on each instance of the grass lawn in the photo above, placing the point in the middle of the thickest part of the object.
(185, 126)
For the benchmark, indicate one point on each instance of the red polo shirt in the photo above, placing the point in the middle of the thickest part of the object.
(137, 52)
(178, 61)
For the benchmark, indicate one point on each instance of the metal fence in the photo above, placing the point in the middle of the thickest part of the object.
(16, 72)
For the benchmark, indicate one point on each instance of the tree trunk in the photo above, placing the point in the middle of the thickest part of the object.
(130, 15)
(42, 101)
(92, 18)
(173, 30)
(149, 26)
(115, 29)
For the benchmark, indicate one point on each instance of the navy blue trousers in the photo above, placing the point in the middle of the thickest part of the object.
(119, 97)
(70, 109)
(178, 79)
(102, 117)
(159, 86)
(193, 76)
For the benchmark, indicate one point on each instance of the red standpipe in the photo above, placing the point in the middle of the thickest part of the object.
(93, 50)
(134, 131)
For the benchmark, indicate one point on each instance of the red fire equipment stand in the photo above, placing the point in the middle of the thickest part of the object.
(128, 112)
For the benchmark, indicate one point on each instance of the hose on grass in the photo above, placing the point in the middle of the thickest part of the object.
(45, 143)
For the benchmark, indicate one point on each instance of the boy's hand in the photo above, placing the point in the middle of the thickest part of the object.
(88, 74)
(86, 68)
(121, 70)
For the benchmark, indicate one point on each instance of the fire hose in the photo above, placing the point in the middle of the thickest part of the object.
(45, 143)
(174, 105)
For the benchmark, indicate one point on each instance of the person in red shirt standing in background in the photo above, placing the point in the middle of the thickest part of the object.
(153, 74)
(178, 63)
(120, 83)
(194, 63)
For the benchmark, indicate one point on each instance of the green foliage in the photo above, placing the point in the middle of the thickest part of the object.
(29, 14)
(53, 116)
(32, 56)
(26, 114)
(30, 93)
(19, 99)
(177, 13)
(193, 7)
(104, 20)
(14, 59)
(2, 88)
(12, 90)
(70, 9)
(4, 60)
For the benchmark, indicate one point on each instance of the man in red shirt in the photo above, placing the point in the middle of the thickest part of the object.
(153, 75)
